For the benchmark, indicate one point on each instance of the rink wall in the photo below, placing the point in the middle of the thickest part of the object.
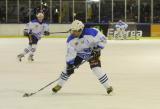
(17, 29)
(155, 30)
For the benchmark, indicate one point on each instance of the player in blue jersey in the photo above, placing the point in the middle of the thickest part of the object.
(34, 31)
(82, 44)
(121, 29)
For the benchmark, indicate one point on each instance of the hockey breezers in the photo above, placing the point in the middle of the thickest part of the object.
(75, 67)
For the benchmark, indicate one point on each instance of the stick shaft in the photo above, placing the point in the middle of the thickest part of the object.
(59, 32)
(44, 87)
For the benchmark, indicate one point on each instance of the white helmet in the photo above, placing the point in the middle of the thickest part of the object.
(77, 25)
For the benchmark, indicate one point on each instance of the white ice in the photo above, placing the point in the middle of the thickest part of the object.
(132, 66)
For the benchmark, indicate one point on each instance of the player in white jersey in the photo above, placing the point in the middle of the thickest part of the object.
(121, 29)
(81, 45)
(34, 31)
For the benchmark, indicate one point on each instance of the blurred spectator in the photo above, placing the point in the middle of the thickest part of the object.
(24, 15)
(2, 15)
(119, 10)
(81, 8)
(156, 18)
(145, 12)
(132, 10)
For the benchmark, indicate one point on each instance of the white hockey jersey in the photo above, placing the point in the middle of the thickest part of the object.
(121, 25)
(37, 28)
(83, 45)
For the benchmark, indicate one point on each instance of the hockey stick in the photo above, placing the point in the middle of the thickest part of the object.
(75, 67)
(60, 32)
(33, 93)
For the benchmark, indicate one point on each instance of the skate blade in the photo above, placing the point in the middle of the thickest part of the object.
(54, 93)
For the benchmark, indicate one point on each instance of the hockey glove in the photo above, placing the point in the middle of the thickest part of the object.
(25, 32)
(46, 33)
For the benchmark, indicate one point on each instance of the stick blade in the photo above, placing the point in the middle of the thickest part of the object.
(26, 95)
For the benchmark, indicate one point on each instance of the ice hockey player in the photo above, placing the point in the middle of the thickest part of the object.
(34, 31)
(81, 45)
(121, 29)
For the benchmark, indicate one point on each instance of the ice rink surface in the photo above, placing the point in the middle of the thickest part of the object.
(133, 68)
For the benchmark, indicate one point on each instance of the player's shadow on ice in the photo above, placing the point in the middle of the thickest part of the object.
(78, 94)
(17, 92)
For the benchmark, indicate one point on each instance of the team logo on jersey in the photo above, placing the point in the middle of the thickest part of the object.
(76, 43)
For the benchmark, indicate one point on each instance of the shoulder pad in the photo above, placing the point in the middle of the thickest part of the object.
(91, 31)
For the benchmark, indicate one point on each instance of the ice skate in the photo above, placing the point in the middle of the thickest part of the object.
(30, 58)
(109, 89)
(20, 56)
(56, 88)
